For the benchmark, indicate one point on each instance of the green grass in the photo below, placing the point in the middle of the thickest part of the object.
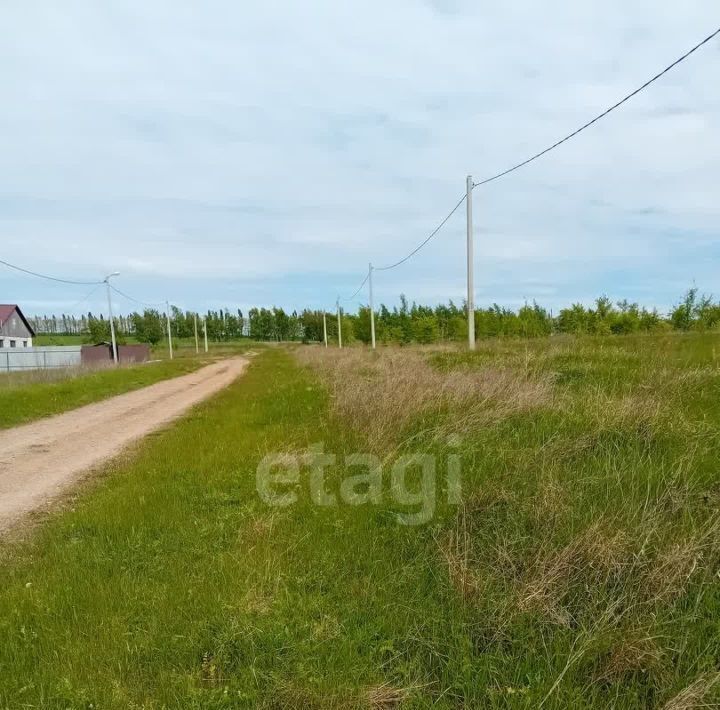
(185, 347)
(25, 396)
(42, 339)
(580, 571)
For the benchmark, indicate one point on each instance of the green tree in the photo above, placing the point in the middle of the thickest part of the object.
(149, 327)
(681, 316)
(99, 330)
(425, 330)
(362, 325)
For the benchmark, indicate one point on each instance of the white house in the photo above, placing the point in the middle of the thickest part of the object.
(15, 330)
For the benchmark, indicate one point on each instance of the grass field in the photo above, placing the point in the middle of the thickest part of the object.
(42, 339)
(580, 568)
(185, 347)
(25, 396)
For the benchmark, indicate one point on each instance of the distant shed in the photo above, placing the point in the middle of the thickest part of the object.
(102, 353)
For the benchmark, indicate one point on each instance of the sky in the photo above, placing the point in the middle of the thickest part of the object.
(225, 154)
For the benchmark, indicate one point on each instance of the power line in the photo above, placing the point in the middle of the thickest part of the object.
(85, 298)
(602, 115)
(358, 288)
(540, 154)
(135, 300)
(422, 244)
(49, 278)
(97, 285)
(412, 253)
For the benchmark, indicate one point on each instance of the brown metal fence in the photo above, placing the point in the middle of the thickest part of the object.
(100, 354)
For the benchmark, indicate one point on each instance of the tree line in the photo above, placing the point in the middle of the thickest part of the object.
(149, 326)
(406, 323)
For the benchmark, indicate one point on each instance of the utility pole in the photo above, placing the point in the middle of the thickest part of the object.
(197, 344)
(324, 328)
(113, 342)
(205, 332)
(167, 313)
(470, 274)
(372, 308)
(339, 323)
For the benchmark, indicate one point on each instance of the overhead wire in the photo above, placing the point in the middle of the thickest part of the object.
(136, 300)
(73, 282)
(601, 115)
(540, 154)
(411, 254)
(359, 288)
(423, 243)
(49, 278)
(85, 298)
(485, 181)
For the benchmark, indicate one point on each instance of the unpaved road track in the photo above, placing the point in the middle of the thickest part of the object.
(38, 461)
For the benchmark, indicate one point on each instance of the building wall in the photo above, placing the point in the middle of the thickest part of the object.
(14, 342)
(14, 328)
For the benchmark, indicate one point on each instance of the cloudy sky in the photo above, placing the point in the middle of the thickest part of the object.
(240, 153)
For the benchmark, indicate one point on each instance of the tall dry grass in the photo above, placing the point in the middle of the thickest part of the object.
(382, 393)
(619, 588)
(589, 520)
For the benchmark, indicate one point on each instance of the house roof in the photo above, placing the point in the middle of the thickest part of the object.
(7, 309)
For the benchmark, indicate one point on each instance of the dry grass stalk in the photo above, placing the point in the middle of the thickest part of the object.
(382, 393)
(455, 550)
(596, 554)
(638, 654)
(672, 569)
(386, 697)
(257, 602)
(694, 695)
(549, 503)
(635, 410)
(604, 570)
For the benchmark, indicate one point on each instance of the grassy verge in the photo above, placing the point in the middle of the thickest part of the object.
(43, 339)
(580, 569)
(28, 396)
(584, 557)
(185, 347)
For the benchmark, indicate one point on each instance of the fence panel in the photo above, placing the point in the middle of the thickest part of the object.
(38, 358)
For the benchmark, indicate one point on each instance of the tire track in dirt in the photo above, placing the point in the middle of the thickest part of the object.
(41, 460)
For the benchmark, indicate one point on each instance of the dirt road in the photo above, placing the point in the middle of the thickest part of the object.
(40, 460)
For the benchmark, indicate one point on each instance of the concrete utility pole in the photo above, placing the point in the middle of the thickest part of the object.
(197, 343)
(324, 328)
(167, 313)
(470, 268)
(205, 333)
(372, 308)
(339, 323)
(113, 342)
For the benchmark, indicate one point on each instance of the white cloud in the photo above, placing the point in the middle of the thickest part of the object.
(266, 152)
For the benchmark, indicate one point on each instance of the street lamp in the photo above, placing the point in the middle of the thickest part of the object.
(112, 324)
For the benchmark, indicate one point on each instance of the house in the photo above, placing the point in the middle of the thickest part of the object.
(15, 330)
